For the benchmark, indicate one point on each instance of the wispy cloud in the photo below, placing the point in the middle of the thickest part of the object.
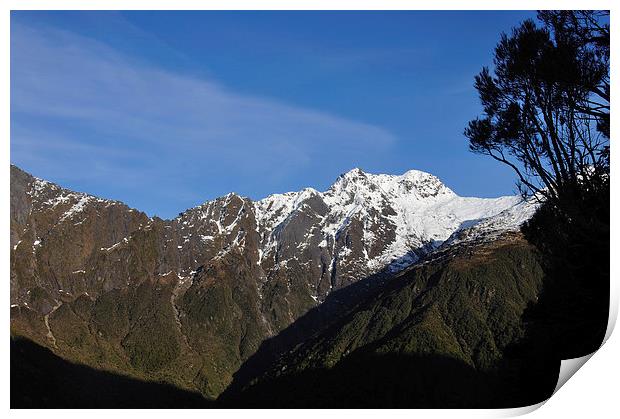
(80, 109)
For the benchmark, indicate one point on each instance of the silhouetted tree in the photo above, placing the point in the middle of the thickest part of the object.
(546, 105)
(546, 115)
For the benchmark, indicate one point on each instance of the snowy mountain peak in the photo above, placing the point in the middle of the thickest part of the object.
(354, 173)
(352, 177)
(375, 219)
(415, 184)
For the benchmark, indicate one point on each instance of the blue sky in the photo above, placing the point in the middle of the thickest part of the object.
(165, 110)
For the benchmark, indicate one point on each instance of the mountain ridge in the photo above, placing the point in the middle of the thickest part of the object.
(415, 185)
(218, 279)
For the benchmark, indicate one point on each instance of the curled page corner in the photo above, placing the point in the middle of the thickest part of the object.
(568, 368)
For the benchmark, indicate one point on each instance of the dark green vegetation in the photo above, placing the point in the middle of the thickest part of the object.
(435, 336)
(134, 332)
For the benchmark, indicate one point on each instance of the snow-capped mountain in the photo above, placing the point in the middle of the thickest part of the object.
(390, 220)
(221, 277)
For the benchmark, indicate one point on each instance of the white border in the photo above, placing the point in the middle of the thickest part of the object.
(592, 393)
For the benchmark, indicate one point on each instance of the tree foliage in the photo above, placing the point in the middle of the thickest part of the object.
(546, 105)
(546, 115)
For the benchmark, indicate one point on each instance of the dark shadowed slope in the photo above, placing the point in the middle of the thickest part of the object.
(40, 379)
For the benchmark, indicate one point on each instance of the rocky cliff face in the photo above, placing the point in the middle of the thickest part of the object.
(188, 300)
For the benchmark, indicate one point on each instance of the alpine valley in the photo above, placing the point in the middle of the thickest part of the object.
(300, 293)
